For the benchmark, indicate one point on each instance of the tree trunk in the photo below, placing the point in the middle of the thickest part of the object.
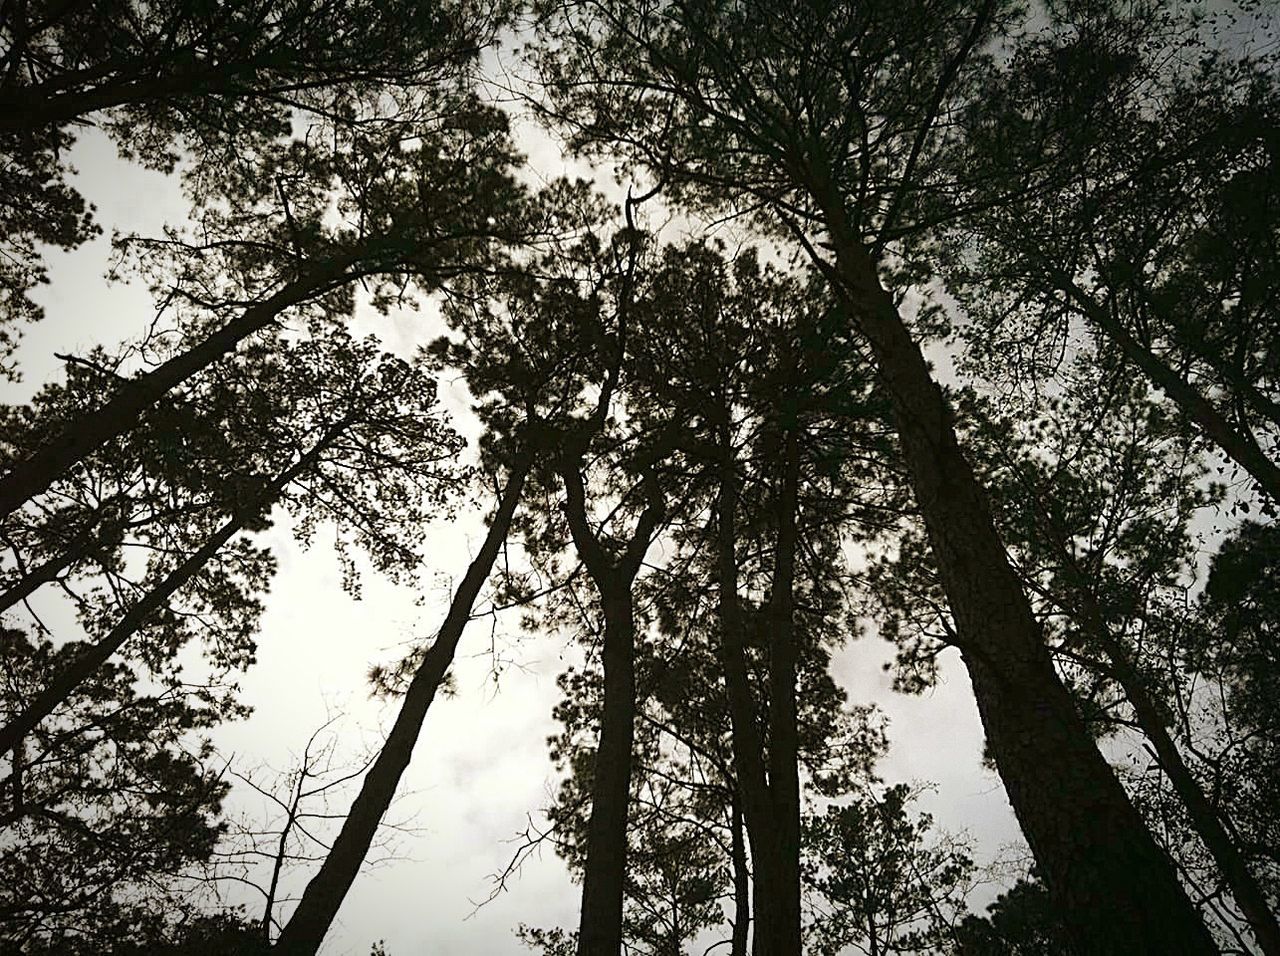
(784, 777)
(120, 412)
(91, 542)
(30, 582)
(1239, 447)
(37, 111)
(323, 896)
(747, 743)
(1205, 819)
(605, 869)
(604, 874)
(88, 662)
(741, 883)
(1118, 892)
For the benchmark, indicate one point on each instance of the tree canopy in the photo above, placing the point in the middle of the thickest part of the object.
(773, 359)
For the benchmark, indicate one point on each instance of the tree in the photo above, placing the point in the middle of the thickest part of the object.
(306, 928)
(102, 806)
(570, 300)
(1100, 488)
(718, 467)
(1022, 921)
(749, 349)
(883, 886)
(1238, 650)
(1125, 488)
(214, 83)
(364, 438)
(1131, 198)
(832, 124)
(802, 427)
(429, 212)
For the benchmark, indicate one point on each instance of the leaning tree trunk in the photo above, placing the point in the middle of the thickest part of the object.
(81, 437)
(1245, 889)
(87, 663)
(98, 536)
(43, 573)
(1237, 444)
(323, 896)
(1118, 892)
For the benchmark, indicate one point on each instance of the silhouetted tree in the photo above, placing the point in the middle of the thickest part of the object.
(423, 213)
(102, 805)
(213, 83)
(832, 125)
(1022, 921)
(881, 882)
(361, 442)
(1131, 189)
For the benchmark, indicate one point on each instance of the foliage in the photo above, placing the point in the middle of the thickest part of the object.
(754, 438)
(1020, 922)
(102, 805)
(879, 882)
(215, 82)
(1133, 195)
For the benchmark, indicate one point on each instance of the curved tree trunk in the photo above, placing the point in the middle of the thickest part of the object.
(1118, 892)
(97, 654)
(323, 896)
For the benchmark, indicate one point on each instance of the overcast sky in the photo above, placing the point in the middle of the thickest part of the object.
(481, 764)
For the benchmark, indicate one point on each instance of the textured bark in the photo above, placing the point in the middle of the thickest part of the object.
(1118, 892)
(605, 867)
(88, 662)
(120, 412)
(323, 896)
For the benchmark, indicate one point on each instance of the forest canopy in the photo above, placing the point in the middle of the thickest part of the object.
(742, 369)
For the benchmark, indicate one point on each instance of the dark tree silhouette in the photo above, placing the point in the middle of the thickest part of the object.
(832, 124)
(212, 83)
